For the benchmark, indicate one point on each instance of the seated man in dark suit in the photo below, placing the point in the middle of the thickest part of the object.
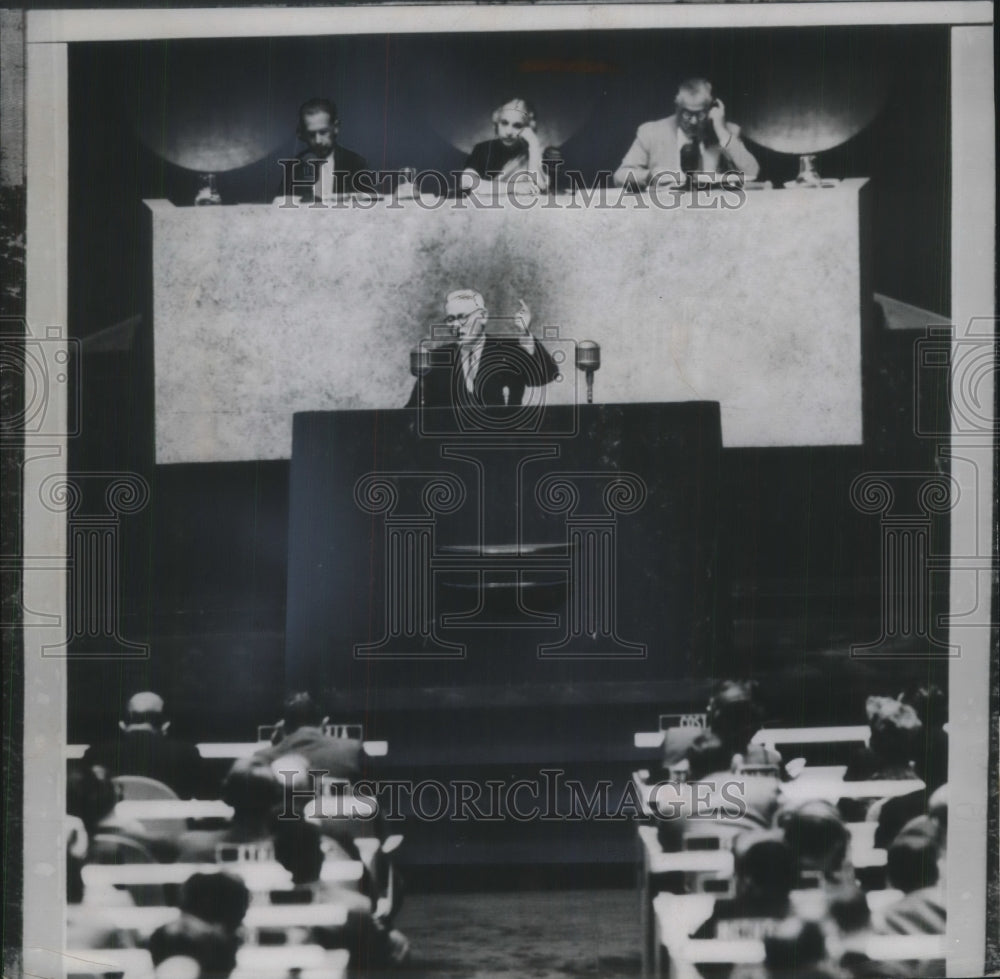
(300, 732)
(143, 748)
(477, 370)
(297, 847)
(255, 795)
(324, 168)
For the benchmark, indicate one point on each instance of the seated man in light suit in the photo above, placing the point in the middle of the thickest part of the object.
(696, 139)
(479, 370)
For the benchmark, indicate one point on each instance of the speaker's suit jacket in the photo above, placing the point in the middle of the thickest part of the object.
(504, 363)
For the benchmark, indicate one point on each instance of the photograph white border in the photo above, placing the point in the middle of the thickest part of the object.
(973, 309)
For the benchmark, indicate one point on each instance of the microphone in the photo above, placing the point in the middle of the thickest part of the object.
(420, 365)
(588, 359)
(420, 361)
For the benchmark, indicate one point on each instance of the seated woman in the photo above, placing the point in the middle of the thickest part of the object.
(515, 155)
(892, 746)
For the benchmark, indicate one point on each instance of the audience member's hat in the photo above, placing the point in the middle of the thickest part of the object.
(887, 712)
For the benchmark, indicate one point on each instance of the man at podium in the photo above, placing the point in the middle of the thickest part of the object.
(480, 369)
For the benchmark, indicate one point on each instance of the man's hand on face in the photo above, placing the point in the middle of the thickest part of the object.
(523, 319)
(523, 316)
(717, 117)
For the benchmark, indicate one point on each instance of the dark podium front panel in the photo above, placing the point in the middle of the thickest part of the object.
(570, 545)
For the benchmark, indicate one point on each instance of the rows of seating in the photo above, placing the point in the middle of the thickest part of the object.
(751, 864)
(252, 962)
(288, 872)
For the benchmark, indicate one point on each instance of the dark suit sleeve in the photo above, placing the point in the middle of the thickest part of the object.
(549, 369)
(297, 178)
(414, 401)
(193, 775)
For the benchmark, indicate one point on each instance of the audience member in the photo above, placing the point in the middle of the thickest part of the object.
(848, 930)
(300, 732)
(212, 909)
(721, 804)
(733, 716)
(91, 796)
(912, 867)
(143, 747)
(219, 899)
(705, 755)
(930, 763)
(765, 874)
(931, 757)
(817, 836)
(889, 754)
(892, 744)
(797, 950)
(297, 846)
(255, 795)
(189, 938)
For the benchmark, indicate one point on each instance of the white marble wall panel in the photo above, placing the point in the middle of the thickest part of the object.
(260, 312)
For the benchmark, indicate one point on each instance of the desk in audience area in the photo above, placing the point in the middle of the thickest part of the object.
(260, 312)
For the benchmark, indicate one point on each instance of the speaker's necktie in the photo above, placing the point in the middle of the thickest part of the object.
(690, 158)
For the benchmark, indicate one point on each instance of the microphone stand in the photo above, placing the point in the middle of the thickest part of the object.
(588, 359)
